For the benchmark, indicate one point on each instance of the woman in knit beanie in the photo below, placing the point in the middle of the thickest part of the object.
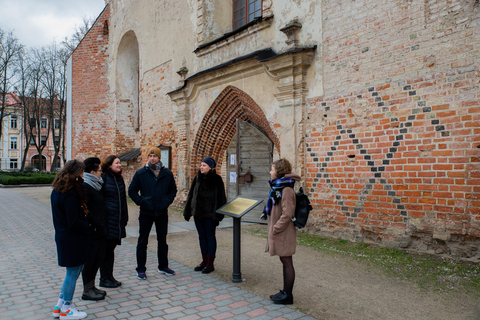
(206, 195)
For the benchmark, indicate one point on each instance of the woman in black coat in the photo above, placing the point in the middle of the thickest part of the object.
(92, 181)
(114, 193)
(206, 195)
(72, 234)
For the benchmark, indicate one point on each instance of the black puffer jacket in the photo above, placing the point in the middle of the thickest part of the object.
(210, 195)
(113, 191)
(156, 193)
(97, 212)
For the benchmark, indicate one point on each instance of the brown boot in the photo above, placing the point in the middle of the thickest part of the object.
(203, 264)
(209, 267)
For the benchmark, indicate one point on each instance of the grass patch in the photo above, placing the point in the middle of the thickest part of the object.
(429, 272)
(17, 178)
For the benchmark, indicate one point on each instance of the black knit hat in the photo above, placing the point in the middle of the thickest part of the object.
(210, 161)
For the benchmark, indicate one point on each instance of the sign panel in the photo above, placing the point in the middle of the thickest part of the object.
(239, 206)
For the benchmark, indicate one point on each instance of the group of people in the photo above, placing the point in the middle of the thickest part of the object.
(89, 209)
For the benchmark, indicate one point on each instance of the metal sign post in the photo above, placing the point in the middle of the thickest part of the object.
(236, 209)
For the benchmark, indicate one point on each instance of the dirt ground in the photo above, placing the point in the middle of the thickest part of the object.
(328, 286)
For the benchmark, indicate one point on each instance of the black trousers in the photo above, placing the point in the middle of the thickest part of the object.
(145, 226)
(106, 268)
(90, 268)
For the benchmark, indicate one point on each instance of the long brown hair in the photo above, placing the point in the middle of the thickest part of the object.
(107, 163)
(65, 178)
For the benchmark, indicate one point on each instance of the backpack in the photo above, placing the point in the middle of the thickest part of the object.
(302, 209)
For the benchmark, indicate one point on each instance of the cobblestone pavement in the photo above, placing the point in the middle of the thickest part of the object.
(30, 279)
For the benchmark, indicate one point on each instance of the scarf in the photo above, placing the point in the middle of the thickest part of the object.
(157, 166)
(276, 194)
(93, 181)
(81, 193)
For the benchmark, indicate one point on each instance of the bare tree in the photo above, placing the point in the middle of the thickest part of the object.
(35, 106)
(71, 43)
(10, 48)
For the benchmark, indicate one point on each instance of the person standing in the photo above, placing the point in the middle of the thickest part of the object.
(72, 234)
(92, 181)
(114, 193)
(282, 235)
(206, 195)
(157, 188)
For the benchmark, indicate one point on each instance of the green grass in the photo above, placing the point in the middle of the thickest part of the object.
(16, 178)
(429, 272)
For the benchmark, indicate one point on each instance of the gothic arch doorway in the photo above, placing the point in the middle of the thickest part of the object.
(218, 137)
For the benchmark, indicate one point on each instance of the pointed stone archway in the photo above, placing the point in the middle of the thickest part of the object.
(219, 125)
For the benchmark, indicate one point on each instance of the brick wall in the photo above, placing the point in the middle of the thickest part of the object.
(93, 133)
(393, 146)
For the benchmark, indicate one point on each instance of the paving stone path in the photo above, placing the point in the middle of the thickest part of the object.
(30, 279)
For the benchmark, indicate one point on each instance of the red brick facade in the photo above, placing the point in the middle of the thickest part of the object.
(92, 120)
(398, 159)
(391, 124)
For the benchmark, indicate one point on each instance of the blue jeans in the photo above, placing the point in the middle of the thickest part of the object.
(145, 225)
(206, 235)
(68, 288)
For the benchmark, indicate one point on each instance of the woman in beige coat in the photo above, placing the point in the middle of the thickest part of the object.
(282, 236)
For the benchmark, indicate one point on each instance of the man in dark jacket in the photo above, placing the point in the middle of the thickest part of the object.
(157, 191)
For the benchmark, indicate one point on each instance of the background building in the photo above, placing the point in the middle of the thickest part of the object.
(11, 140)
(376, 104)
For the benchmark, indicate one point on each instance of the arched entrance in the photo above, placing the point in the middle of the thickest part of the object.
(37, 164)
(219, 135)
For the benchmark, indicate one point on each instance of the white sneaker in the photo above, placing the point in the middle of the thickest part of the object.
(72, 313)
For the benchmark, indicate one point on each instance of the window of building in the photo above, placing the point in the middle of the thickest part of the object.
(13, 122)
(43, 123)
(56, 141)
(245, 11)
(33, 122)
(32, 140)
(56, 123)
(43, 140)
(13, 163)
(13, 143)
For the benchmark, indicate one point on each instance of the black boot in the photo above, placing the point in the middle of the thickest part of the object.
(109, 283)
(90, 294)
(282, 298)
(102, 292)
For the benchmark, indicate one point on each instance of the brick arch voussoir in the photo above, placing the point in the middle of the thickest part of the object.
(218, 125)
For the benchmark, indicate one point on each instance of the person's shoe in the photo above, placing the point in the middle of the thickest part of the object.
(199, 268)
(56, 312)
(207, 270)
(119, 284)
(72, 313)
(98, 291)
(167, 271)
(107, 283)
(142, 275)
(92, 295)
(283, 298)
(274, 296)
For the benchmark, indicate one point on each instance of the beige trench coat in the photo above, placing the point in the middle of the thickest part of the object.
(282, 235)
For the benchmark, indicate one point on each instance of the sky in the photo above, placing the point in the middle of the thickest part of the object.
(38, 23)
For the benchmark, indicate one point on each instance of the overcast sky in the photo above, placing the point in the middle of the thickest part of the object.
(38, 23)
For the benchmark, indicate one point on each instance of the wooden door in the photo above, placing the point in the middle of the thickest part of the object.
(249, 153)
